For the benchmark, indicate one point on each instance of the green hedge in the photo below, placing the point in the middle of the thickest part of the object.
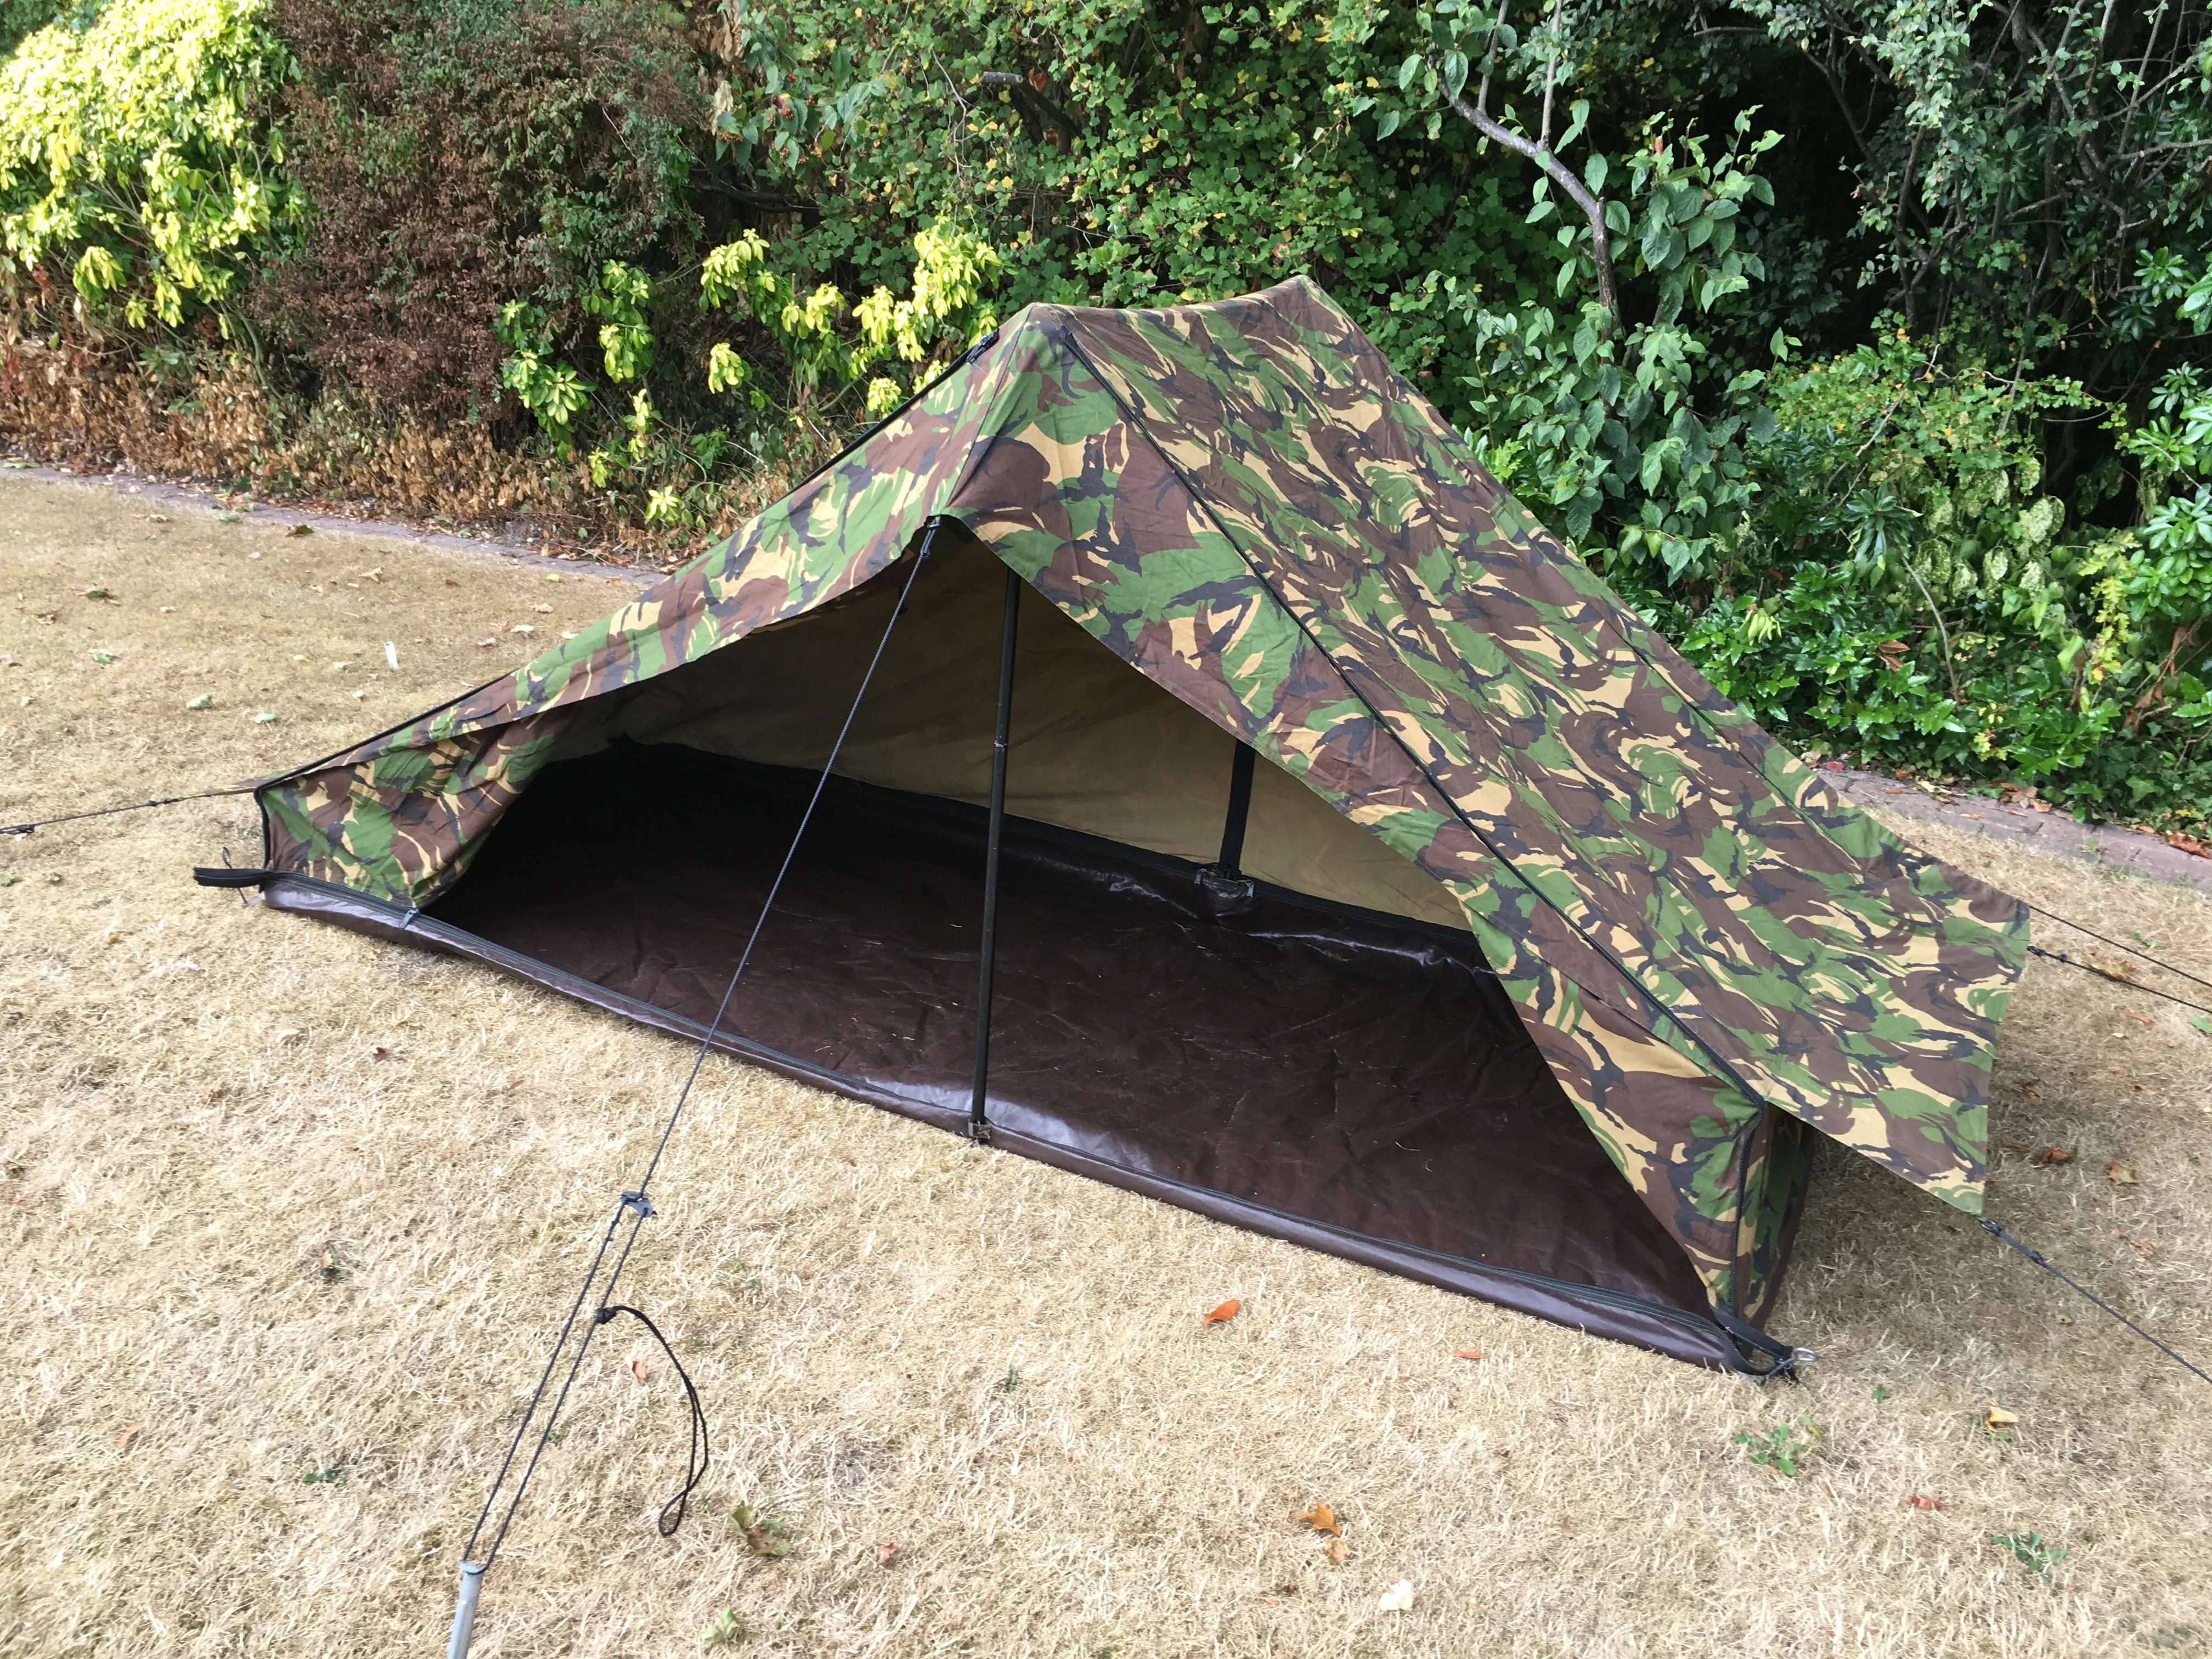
(1892, 411)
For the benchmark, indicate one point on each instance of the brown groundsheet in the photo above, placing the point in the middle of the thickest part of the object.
(1343, 1068)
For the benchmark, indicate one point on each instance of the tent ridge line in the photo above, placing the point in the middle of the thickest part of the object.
(1066, 337)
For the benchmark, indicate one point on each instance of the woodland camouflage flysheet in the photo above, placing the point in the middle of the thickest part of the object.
(1245, 503)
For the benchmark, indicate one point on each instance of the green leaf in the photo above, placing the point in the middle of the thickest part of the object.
(1455, 72)
(2200, 1024)
(1577, 118)
(1408, 70)
(1594, 173)
(1387, 123)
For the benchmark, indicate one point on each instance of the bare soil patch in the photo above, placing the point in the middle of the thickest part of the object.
(291, 1216)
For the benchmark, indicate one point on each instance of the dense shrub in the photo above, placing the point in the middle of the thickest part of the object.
(460, 154)
(1861, 345)
(137, 162)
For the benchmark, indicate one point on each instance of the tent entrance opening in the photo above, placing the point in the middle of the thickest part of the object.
(1349, 1068)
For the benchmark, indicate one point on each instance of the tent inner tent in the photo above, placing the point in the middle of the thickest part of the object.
(1367, 874)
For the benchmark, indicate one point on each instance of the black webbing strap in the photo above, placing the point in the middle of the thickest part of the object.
(218, 875)
(1783, 1360)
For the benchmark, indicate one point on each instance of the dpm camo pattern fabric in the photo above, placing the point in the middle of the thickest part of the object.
(1248, 505)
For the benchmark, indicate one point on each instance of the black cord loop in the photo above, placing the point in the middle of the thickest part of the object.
(673, 1512)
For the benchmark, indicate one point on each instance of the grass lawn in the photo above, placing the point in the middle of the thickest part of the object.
(292, 1214)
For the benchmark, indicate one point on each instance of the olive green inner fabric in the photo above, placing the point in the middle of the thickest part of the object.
(1095, 745)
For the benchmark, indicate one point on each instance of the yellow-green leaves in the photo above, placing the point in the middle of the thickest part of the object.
(620, 297)
(950, 269)
(725, 370)
(138, 150)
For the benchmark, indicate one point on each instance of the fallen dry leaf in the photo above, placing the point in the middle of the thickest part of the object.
(375, 575)
(885, 1551)
(1920, 1502)
(2144, 1020)
(1998, 1418)
(1222, 1314)
(301, 530)
(543, 609)
(637, 1368)
(1337, 1550)
(128, 1434)
(451, 582)
(482, 643)
(1320, 1518)
(1399, 1598)
(377, 1051)
(2119, 1174)
(2054, 1155)
(1467, 1354)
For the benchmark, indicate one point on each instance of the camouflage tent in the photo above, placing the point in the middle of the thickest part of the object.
(1520, 964)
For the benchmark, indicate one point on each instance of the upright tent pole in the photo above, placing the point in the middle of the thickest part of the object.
(1240, 810)
(979, 1126)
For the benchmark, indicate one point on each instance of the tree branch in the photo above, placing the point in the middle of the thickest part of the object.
(1551, 68)
(1609, 295)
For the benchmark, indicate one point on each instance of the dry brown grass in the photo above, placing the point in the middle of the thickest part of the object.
(226, 1222)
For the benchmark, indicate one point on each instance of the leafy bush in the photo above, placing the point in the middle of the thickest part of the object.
(464, 153)
(136, 154)
(1907, 591)
(1900, 421)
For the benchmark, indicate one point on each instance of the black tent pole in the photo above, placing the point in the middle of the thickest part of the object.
(1240, 808)
(979, 1126)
